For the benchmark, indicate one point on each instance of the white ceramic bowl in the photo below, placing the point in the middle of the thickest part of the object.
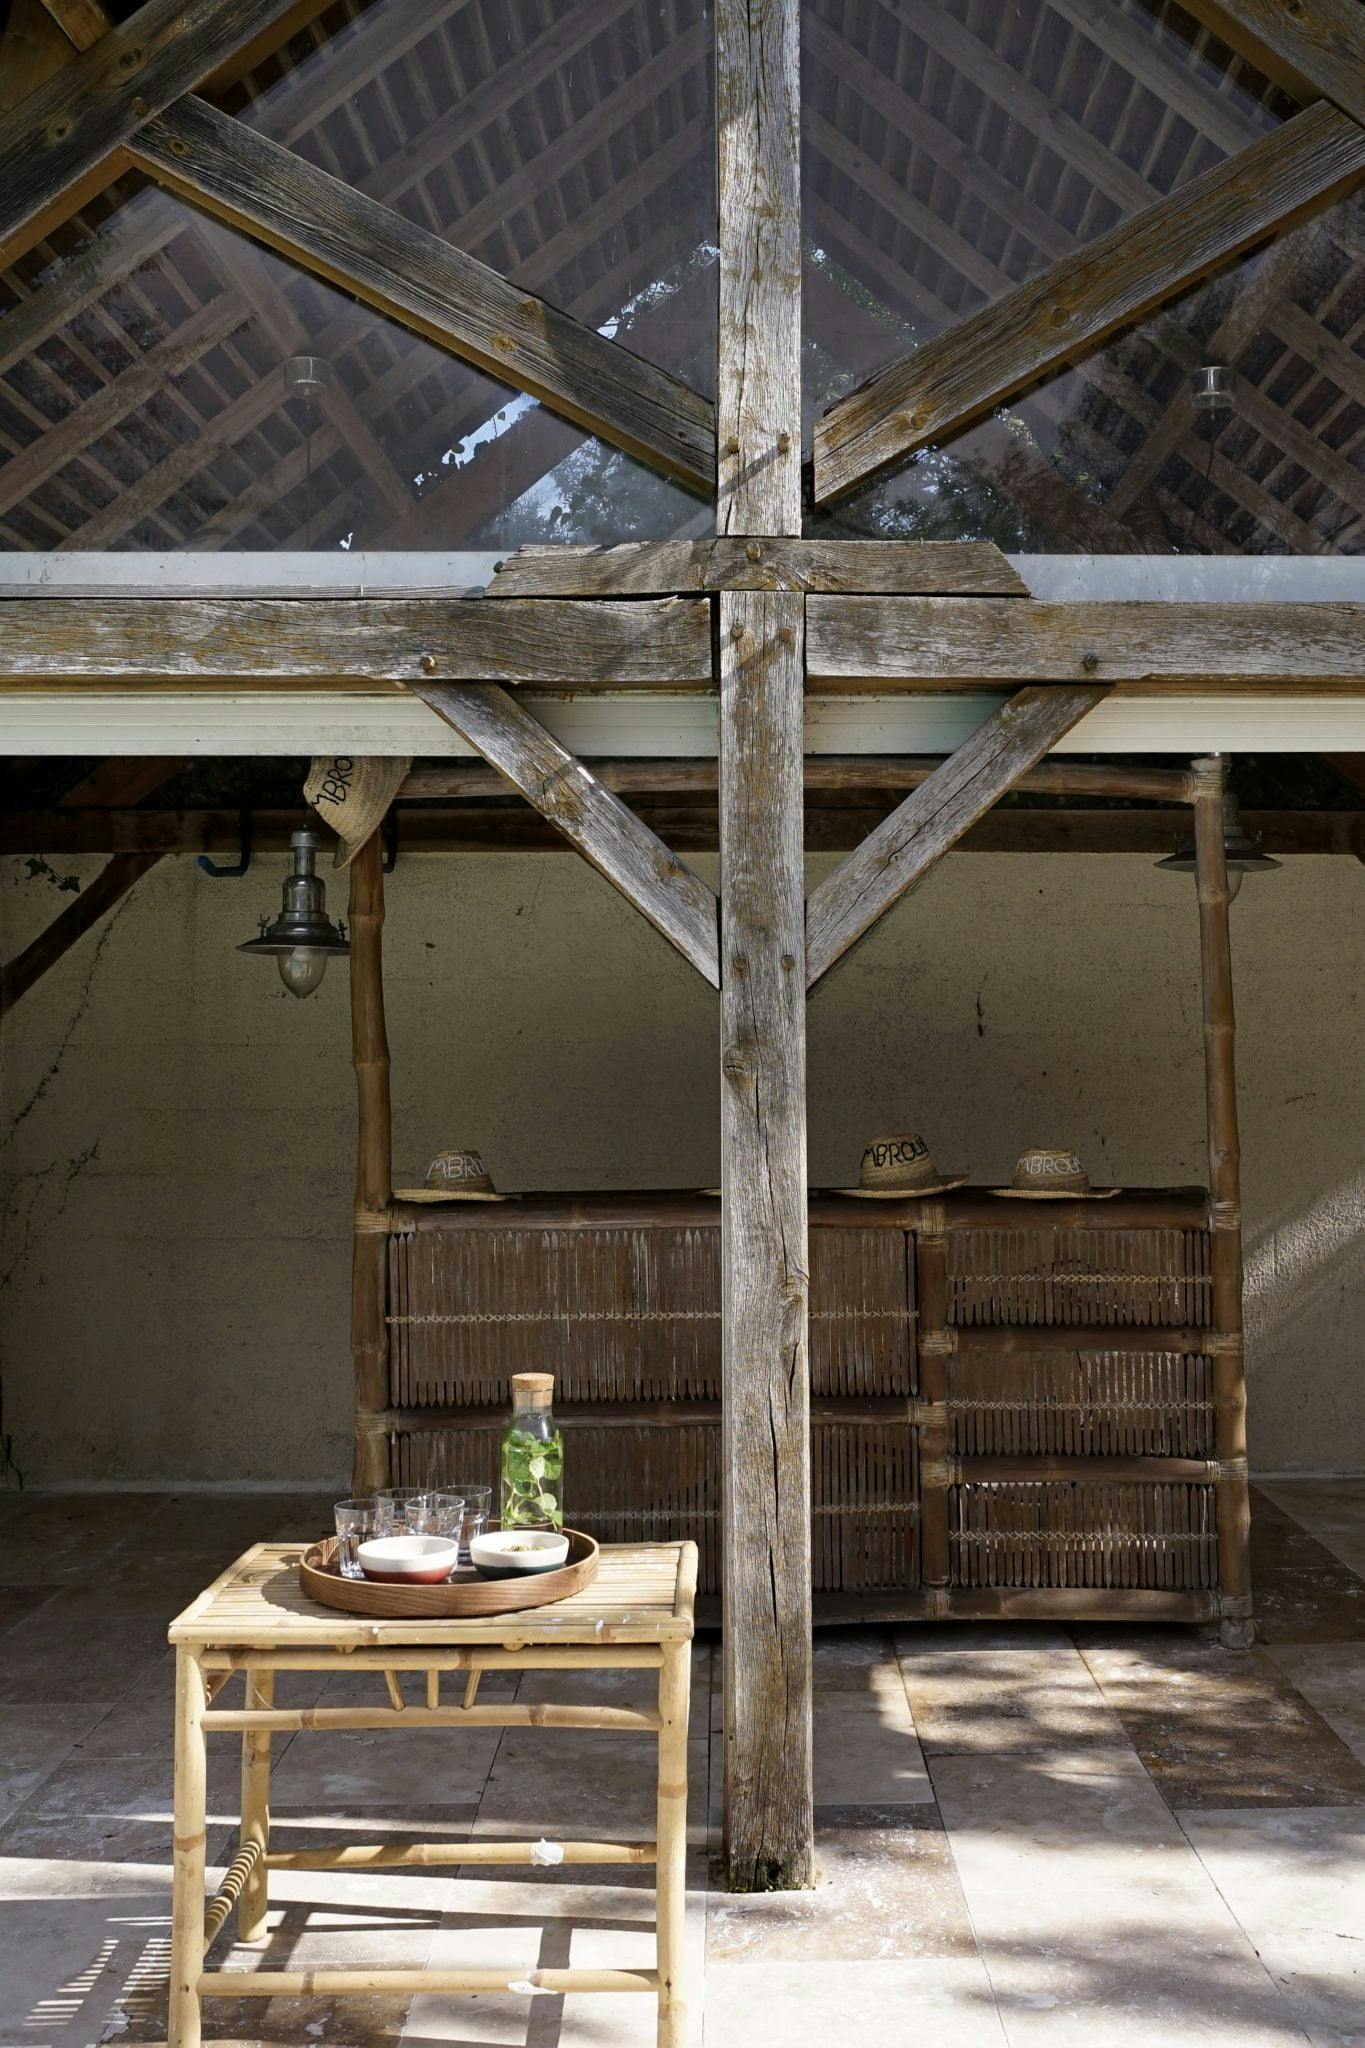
(508, 1553)
(409, 1560)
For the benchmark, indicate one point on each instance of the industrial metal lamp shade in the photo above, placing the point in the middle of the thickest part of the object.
(302, 938)
(1242, 850)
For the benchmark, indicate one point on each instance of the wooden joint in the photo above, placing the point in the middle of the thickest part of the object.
(1235, 1607)
(936, 1475)
(937, 1343)
(1223, 1344)
(1228, 1471)
(1225, 1215)
(928, 1415)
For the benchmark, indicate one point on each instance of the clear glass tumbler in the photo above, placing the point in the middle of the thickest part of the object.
(395, 1503)
(438, 1514)
(356, 1521)
(468, 1516)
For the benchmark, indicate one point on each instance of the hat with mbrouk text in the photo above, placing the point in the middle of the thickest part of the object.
(454, 1177)
(351, 794)
(900, 1168)
(1046, 1174)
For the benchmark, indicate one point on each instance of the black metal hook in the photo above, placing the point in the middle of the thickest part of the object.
(218, 869)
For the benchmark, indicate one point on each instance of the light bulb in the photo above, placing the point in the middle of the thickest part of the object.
(302, 970)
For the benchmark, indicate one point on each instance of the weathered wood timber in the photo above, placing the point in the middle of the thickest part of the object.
(374, 1168)
(654, 568)
(920, 830)
(1310, 47)
(109, 887)
(424, 281)
(875, 643)
(765, 1273)
(364, 642)
(606, 832)
(1007, 344)
(828, 772)
(687, 823)
(56, 146)
(1225, 1205)
(758, 143)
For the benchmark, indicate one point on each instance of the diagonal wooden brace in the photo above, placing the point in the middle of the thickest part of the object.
(920, 830)
(605, 831)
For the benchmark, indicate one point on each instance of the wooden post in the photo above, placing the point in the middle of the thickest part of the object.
(1225, 1207)
(769, 1811)
(374, 1169)
(251, 1907)
(769, 1818)
(187, 1882)
(675, 1681)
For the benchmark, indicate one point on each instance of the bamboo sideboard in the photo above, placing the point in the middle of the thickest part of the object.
(1018, 1409)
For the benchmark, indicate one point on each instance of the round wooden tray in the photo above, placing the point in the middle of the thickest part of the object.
(459, 1599)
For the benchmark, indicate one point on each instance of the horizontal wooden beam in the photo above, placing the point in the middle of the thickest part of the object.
(903, 848)
(659, 568)
(652, 776)
(604, 830)
(1309, 47)
(418, 278)
(997, 351)
(687, 824)
(873, 643)
(365, 642)
(64, 142)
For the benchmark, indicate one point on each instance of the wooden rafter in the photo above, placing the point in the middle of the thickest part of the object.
(59, 146)
(589, 815)
(903, 848)
(1007, 345)
(1310, 47)
(430, 286)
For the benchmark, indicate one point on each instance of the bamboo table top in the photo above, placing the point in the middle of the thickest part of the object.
(643, 1593)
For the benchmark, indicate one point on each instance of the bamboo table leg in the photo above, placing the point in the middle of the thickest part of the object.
(675, 1679)
(251, 1908)
(187, 1936)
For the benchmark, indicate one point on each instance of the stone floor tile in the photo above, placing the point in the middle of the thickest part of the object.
(888, 1890)
(1006, 1701)
(33, 1742)
(1295, 1881)
(1083, 1819)
(65, 1964)
(1131, 1968)
(866, 1750)
(89, 1855)
(385, 1767)
(1331, 1677)
(1225, 1728)
(135, 1787)
(814, 2004)
(17, 1603)
(73, 1648)
(978, 1638)
(585, 1782)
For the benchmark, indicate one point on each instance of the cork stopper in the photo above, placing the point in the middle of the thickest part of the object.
(533, 1389)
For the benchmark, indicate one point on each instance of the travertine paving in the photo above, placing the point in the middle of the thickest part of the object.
(1102, 1836)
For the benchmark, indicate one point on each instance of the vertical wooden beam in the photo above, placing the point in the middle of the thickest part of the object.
(374, 1169)
(1225, 1207)
(769, 1813)
(766, 1381)
(758, 144)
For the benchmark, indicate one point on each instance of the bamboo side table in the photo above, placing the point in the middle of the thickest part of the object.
(636, 1615)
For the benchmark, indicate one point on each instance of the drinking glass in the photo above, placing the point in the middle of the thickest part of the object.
(394, 1505)
(356, 1521)
(437, 1514)
(473, 1503)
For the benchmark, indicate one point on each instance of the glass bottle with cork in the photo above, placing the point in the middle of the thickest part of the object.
(532, 1457)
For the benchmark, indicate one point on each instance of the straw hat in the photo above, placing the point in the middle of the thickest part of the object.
(351, 794)
(1044, 1173)
(894, 1168)
(454, 1177)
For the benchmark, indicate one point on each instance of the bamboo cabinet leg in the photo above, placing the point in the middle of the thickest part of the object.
(373, 1187)
(251, 1907)
(187, 1895)
(1225, 1209)
(675, 1681)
